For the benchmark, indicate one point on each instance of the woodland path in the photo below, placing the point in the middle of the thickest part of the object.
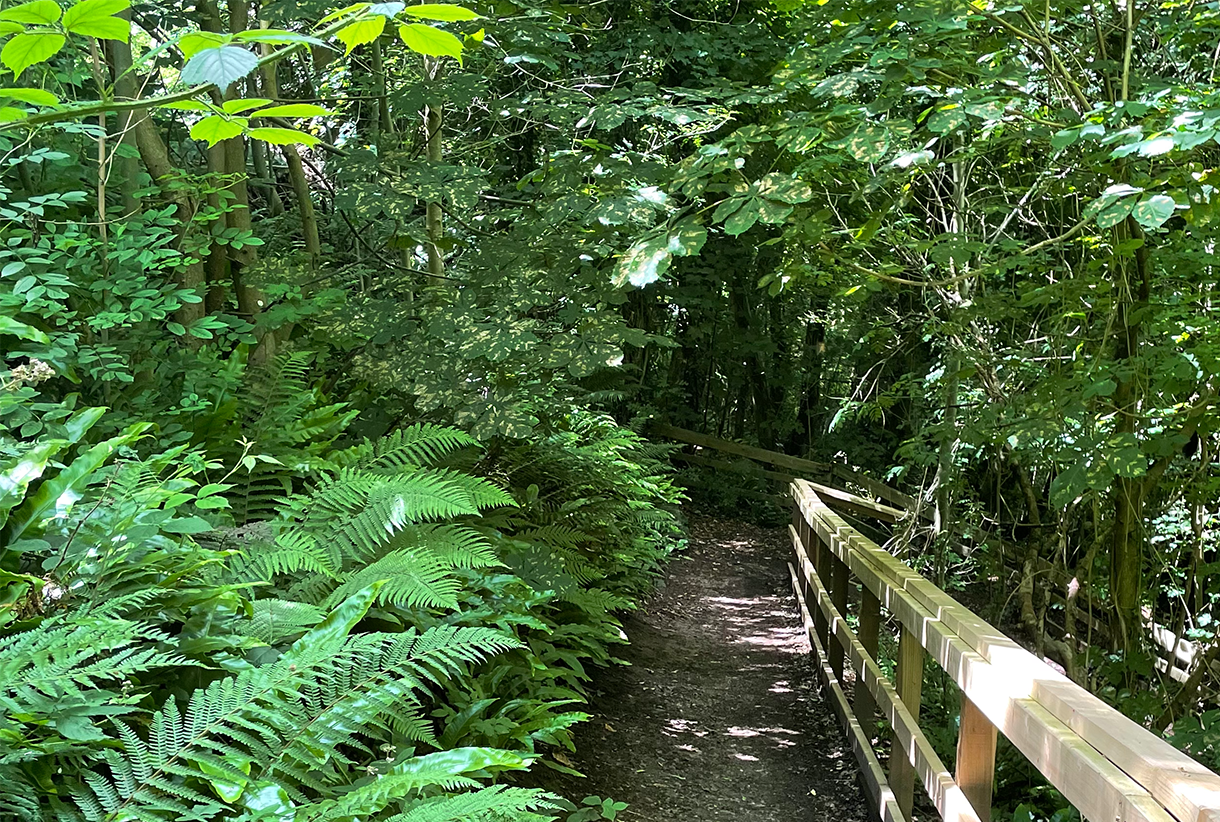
(719, 715)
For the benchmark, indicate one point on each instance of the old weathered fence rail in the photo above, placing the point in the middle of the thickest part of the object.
(1108, 767)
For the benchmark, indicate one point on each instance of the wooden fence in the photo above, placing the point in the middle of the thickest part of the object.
(1108, 767)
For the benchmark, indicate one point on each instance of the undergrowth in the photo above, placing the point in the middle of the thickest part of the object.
(280, 628)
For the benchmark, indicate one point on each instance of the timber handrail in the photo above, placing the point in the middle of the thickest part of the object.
(895, 505)
(1110, 768)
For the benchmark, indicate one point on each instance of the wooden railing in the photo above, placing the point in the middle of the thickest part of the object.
(1108, 767)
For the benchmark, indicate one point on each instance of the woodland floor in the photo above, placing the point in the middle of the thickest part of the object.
(719, 716)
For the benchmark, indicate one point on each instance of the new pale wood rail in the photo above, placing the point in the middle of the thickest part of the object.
(1108, 767)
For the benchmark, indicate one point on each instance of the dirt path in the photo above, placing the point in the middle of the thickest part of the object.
(718, 717)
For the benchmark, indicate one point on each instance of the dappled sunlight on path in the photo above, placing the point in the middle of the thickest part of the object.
(718, 716)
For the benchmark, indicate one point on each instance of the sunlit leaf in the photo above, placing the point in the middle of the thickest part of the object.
(1152, 211)
(441, 11)
(37, 13)
(26, 50)
(95, 18)
(277, 37)
(361, 32)
(36, 96)
(294, 110)
(431, 41)
(648, 259)
(216, 128)
(241, 105)
(283, 136)
(197, 41)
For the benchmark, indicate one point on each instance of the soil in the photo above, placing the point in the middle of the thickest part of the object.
(718, 717)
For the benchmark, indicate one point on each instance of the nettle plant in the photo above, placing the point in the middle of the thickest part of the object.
(39, 30)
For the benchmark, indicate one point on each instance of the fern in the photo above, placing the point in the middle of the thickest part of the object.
(495, 803)
(67, 661)
(419, 445)
(284, 728)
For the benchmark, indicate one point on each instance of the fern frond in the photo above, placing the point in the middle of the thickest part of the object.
(274, 620)
(413, 579)
(418, 445)
(498, 802)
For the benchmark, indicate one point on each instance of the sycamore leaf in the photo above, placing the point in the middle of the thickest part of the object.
(220, 66)
(25, 50)
(217, 128)
(1152, 212)
(95, 18)
(361, 32)
(35, 96)
(37, 13)
(431, 41)
(294, 110)
(441, 11)
(283, 136)
(197, 41)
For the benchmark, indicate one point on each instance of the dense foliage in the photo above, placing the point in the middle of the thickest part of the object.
(322, 326)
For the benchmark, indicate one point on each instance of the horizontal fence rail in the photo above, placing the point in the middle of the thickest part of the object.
(1110, 768)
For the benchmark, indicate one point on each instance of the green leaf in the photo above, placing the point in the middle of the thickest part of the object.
(441, 11)
(947, 119)
(647, 260)
(283, 136)
(744, 219)
(1114, 213)
(277, 37)
(241, 105)
(361, 32)
(26, 50)
(867, 143)
(95, 18)
(16, 476)
(221, 66)
(332, 631)
(431, 41)
(1062, 139)
(1068, 485)
(294, 110)
(1101, 388)
(37, 13)
(56, 496)
(216, 128)
(19, 329)
(35, 96)
(1154, 210)
(197, 41)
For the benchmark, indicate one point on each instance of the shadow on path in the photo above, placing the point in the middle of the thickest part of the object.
(718, 717)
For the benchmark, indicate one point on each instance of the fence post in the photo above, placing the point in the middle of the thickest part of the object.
(910, 687)
(976, 739)
(862, 698)
(838, 597)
